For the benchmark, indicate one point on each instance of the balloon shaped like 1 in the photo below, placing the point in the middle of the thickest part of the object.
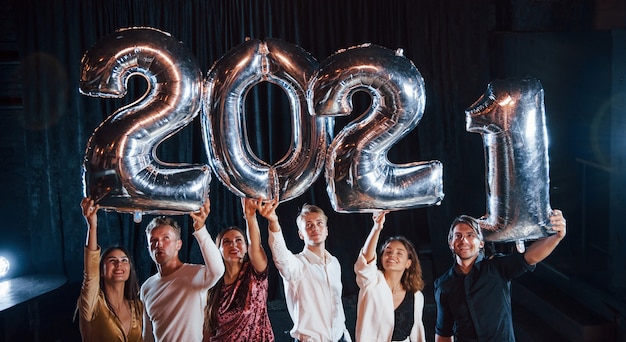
(510, 117)
(121, 171)
(359, 176)
(229, 152)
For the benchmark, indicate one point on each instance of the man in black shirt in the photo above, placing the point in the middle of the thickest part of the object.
(473, 297)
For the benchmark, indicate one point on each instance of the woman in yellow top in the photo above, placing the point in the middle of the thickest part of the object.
(109, 305)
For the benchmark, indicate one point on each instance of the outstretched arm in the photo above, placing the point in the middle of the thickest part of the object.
(540, 249)
(210, 253)
(268, 210)
(288, 265)
(199, 217)
(369, 248)
(90, 212)
(91, 277)
(257, 255)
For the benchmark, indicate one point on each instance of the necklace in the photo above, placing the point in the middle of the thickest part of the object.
(396, 288)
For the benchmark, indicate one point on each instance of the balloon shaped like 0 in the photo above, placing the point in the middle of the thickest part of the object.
(229, 152)
(510, 117)
(359, 176)
(121, 171)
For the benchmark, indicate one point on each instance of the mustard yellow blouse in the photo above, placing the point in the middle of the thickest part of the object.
(97, 322)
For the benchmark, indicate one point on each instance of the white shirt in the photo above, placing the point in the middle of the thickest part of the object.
(312, 292)
(375, 318)
(174, 304)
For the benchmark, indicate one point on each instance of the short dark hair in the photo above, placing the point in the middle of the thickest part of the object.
(470, 221)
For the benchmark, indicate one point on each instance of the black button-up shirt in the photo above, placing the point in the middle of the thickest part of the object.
(477, 306)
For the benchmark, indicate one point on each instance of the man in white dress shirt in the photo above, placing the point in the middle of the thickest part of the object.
(311, 278)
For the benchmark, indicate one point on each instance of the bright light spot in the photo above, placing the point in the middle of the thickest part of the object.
(5, 287)
(4, 266)
(507, 101)
(531, 125)
(137, 216)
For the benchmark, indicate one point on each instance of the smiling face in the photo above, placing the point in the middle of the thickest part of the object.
(312, 228)
(115, 266)
(395, 257)
(233, 246)
(164, 244)
(465, 242)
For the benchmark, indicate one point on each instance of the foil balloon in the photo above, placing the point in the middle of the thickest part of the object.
(229, 152)
(510, 117)
(359, 176)
(121, 171)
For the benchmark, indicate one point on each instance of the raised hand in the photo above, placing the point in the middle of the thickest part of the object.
(199, 217)
(267, 209)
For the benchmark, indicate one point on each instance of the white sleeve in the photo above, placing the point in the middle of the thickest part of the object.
(211, 255)
(289, 267)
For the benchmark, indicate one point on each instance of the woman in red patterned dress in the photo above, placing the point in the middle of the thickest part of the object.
(237, 304)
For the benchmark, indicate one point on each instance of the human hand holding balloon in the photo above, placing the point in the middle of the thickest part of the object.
(379, 218)
(199, 217)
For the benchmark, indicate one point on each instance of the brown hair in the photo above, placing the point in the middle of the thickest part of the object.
(213, 295)
(131, 285)
(470, 221)
(163, 221)
(412, 277)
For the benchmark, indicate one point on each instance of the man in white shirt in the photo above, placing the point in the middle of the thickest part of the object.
(311, 278)
(175, 297)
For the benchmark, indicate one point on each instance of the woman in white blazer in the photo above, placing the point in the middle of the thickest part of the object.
(390, 303)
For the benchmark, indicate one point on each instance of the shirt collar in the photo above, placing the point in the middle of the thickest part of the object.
(476, 264)
(314, 258)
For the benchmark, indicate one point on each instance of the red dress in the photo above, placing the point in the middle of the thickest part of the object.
(242, 314)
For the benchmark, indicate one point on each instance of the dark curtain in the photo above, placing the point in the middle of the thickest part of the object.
(447, 41)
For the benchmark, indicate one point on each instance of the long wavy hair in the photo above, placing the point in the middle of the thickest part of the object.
(213, 295)
(411, 279)
(131, 285)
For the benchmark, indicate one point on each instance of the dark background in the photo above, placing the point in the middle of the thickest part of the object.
(576, 48)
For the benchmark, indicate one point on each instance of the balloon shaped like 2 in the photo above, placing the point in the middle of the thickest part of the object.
(229, 152)
(120, 170)
(510, 117)
(359, 176)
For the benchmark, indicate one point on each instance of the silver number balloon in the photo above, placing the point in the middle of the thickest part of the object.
(229, 152)
(121, 170)
(359, 175)
(510, 117)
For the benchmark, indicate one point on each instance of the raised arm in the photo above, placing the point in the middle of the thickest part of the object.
(542, 248)
(369, 248)
(257, 255)
(91, 277)
(90, 212)
(199, 217)
(210, 253)
(289, 267)
(268, 210)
